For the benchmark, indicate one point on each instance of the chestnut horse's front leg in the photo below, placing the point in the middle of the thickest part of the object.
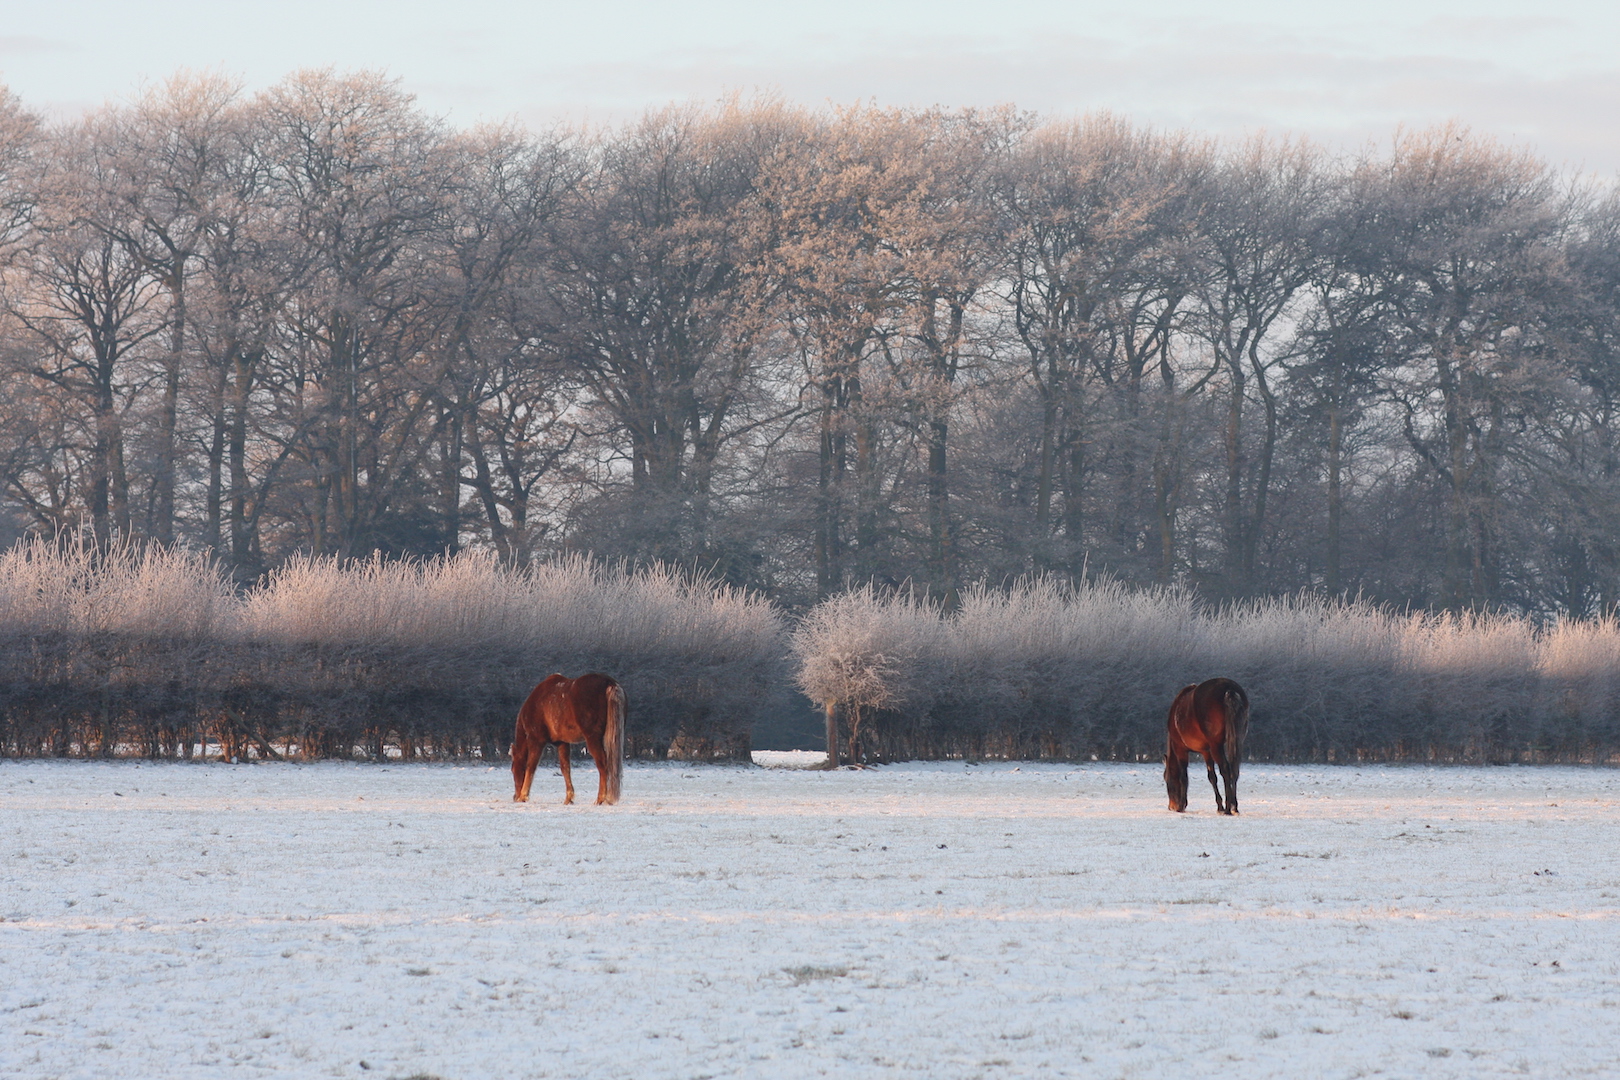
(568, 776)
(525, 757)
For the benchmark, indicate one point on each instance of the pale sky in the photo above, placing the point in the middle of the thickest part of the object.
(1545, 75)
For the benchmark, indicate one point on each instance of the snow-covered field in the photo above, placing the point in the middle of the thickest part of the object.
(936, 920)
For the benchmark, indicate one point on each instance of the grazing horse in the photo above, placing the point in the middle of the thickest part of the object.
(1210, 719)
(562, 711)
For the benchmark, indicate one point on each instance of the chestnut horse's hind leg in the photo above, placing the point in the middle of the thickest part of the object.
(598, 755)
(568, 776)
(1209, 768)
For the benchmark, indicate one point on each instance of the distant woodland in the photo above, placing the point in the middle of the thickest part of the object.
(806, 350)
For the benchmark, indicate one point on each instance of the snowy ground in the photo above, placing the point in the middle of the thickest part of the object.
(928, 920)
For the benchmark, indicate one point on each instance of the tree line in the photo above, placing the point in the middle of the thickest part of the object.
(803, 350)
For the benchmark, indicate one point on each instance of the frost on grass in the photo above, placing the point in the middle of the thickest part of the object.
(910, 920)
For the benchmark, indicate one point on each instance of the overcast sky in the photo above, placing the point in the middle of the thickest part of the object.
(1543, 74)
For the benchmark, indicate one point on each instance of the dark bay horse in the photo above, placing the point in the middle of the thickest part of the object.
(561, 711)
(1210, 719)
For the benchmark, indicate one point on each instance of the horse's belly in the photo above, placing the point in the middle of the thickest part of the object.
(565, 729)
(1193, 738)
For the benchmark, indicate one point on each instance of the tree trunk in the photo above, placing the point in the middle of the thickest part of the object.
(450, 449)
(1262, 480)
(1335, 498)
(1043, 483)
(484, 485)
(1074, 514)
(213, 511)
(168, 412)
(829, 568)
(236, 452)
(941, 553)
(1236, 523)
(867, 500)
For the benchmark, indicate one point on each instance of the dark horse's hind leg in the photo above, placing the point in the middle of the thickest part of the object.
(1209, 768)
(1229, 773)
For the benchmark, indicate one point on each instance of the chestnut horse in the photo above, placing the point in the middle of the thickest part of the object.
(1210, 719)
(562, 711)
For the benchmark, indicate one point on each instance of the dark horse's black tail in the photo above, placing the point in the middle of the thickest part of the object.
(1237, 723)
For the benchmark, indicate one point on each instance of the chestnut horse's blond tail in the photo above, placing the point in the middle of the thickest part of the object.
(613, 740)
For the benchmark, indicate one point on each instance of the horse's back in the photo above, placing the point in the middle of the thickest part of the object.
(561, 709)
(541, 714)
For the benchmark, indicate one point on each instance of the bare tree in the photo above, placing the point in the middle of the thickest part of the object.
(20, 139)
(1344, 347)
(363, 183)
(1473, 261)
(499, 387)
(661, 303)
(162, 158)
(86, 312)
(1257, 251)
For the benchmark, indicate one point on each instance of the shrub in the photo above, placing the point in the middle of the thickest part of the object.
(148, 651)
(1046, 670)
